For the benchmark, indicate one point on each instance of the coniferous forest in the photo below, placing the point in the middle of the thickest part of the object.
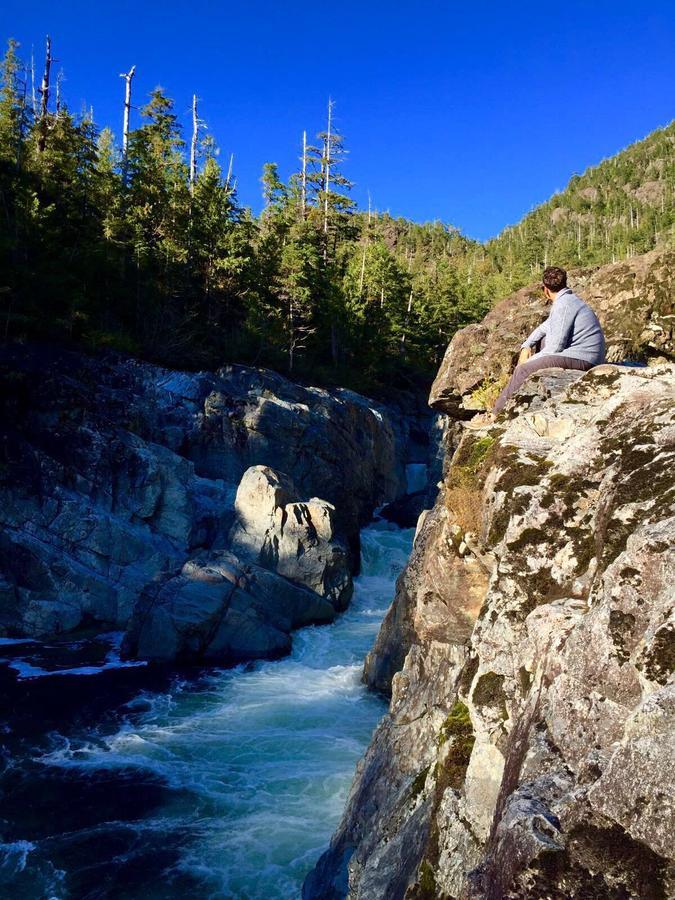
(139, 243)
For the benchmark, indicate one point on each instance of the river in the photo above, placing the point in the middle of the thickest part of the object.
(227, 783)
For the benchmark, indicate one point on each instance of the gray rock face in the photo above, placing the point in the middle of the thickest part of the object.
(296, 539)
(335, 444)
(220, 609)
(529, 652)
(115, 474)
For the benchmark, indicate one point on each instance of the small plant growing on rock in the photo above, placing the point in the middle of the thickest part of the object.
(463, 489)
(485, 396)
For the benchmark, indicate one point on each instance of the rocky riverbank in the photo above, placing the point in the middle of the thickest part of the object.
(528, 749)
(205, 514)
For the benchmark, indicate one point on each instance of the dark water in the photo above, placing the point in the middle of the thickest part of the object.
(132, 783)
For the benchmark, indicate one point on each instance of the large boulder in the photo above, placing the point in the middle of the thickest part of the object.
(333, 444)
(218, 609)
(295, 538)
(528, 748)
(634, 300)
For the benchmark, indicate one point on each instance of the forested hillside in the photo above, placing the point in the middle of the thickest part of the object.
(616, 210)
(138, 242)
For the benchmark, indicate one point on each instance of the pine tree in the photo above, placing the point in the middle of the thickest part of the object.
(157, 204)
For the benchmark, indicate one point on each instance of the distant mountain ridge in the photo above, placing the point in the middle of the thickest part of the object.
(618, 209)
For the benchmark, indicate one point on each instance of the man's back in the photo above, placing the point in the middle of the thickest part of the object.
(574, 330)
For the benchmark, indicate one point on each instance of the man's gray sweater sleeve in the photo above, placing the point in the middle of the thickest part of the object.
(539, 332)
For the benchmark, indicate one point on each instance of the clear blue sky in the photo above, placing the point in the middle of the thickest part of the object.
(467, 112)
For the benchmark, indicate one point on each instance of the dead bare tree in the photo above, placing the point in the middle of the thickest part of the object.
(32, 82)
(303, 196)
(193, 144)
(327, 162)
(128, 78)
(59, 81)
(229, 174)
(44, 96)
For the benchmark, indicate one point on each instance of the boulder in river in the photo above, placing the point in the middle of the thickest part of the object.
(218, 609)
(294, 538)
(114, 473)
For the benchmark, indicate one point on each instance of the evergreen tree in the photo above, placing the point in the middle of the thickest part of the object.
(157, 204)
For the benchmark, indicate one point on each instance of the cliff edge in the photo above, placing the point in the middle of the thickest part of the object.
(529, 748)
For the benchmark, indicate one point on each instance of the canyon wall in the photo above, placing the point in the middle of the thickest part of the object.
(118, 482)
(529, 747)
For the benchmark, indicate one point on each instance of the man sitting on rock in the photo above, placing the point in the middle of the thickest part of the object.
(571, 338)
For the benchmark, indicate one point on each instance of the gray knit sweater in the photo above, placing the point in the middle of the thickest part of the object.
(572, 329)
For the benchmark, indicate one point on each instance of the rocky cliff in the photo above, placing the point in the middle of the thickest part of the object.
(529, 747)
(119, 504)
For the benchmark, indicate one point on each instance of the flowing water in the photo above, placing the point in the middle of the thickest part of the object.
(224, 784)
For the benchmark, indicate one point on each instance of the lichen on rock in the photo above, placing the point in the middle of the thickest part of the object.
(532, 674)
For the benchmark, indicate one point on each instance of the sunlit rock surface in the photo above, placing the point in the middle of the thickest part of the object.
(295, 538)
(529, 749)
(117, 476)
(633, 300)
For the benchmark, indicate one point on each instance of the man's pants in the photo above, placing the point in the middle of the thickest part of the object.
(523, 372)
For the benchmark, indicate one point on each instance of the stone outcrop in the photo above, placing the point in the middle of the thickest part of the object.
(295, 538)
(529, 653)
(633, 300)
(116, 474)
(220, 609)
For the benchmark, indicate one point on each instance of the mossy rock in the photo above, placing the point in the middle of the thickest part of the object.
(468, 674)
(489, 692)
(457, 730)
(457, 724)
(418, 783)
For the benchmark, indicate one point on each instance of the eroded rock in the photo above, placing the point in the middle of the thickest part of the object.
(562, 784)
(295, 538)
(218, 609)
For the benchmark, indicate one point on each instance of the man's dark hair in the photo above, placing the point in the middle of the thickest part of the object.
(555, 279)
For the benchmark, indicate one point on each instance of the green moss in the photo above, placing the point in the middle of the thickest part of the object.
(457, 724)
(583, 541)
(427, 882)
(527, 538)
(468, 674)
(606, 378)
(484, 397)
(457, 730)
(489, 691)
(621, 627)
(499, 524)
(539, 588)
(469, 458)
(418, 783)
(517, 474)
(658, 662)
(561, 487)
(642, 480)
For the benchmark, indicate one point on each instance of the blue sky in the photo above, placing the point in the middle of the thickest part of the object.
(471, 112)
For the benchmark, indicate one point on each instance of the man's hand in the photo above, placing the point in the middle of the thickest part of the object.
(524, 355)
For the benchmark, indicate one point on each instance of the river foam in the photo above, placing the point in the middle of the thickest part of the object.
(244, 771)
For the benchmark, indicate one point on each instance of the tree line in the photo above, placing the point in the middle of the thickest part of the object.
(140, 244)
